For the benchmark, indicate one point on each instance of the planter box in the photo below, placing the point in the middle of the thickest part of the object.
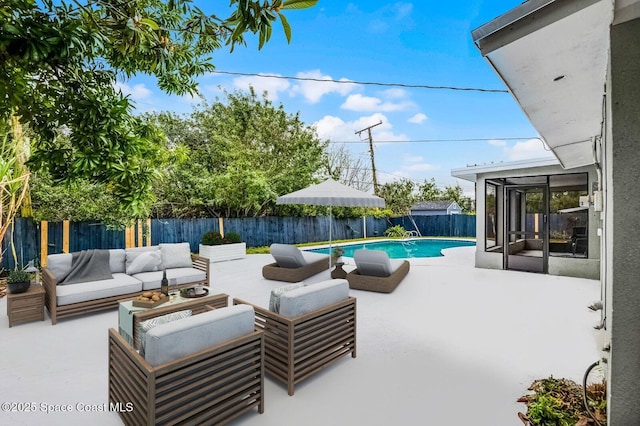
(224, 252)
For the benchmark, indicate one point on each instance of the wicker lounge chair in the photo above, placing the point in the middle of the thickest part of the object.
(209, 386)
(376, 272)
(292, 265)
(316, 327)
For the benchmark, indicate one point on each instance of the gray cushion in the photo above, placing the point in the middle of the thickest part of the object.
(374, 263)
(176, 255)
(312, 297)
(82, 292)
(59, 265)
(310, 256)
(170, 341)
(117, 260)
(151, 280)
(143, 261)
(274, 300)
(287, 256)
(147, 325)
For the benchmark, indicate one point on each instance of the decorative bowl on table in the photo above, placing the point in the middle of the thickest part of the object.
(190, 292)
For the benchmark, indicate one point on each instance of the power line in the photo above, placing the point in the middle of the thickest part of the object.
(365, 83)
(442, 140)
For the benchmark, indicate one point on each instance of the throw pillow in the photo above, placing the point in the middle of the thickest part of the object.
(146, 261)
(176, 255)
(147, 325)
(274, 301)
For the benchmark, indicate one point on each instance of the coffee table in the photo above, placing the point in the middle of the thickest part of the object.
(130, 316)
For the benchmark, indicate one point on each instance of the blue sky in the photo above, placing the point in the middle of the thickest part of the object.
(416, 43)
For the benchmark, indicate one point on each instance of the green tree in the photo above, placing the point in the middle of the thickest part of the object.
(454, 193)
(398, 195)
(243, 151)
(428, 191)
(58, 67)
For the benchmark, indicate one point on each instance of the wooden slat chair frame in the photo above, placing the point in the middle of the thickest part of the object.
(273, 271)
(296, 348)
(212, 386)
(56, 312)
(357, 281)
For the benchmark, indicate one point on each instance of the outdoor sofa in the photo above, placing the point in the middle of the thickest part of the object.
(202, 369)
(292, 265)
(99, 279)
(313, 327)
(376, 272)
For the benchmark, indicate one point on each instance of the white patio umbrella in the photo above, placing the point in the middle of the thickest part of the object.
(331, 193)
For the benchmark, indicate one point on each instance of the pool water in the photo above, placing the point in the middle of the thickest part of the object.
(401, 249)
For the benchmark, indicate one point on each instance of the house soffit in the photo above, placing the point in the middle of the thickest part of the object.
(553, 57)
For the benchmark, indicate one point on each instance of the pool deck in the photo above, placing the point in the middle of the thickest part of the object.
(452, 345)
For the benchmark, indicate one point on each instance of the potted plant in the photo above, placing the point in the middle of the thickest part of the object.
(337, 254)
(218, 248)
(18, 281)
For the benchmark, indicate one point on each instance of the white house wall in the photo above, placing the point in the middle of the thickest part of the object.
(573, 267)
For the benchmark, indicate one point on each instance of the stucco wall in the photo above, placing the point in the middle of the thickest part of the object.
(623, 224)
(564, 266)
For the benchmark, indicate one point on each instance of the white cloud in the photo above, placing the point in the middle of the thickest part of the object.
(273, 86)
(395, 93)
(532, 148)
(313, 91)
(362, 103)
(419, 118)
(403, 10)
(336, 129)
(413, 158)
(420, 167)
(497, 142)
(136, 92)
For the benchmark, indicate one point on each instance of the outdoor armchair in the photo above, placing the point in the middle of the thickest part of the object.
(292, 265)
(376, 272)
(315, 327)
(202, 369)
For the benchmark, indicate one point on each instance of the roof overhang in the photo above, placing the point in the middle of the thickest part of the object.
(470, 173)
(553, 57)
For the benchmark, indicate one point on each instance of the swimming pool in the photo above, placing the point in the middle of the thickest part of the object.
(400, 249)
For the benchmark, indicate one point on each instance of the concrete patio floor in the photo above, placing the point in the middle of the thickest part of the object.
(452, 345)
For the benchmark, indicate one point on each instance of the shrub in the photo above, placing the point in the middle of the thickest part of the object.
(212, 238)
(18, 276)
(396, 232)
(233, 237)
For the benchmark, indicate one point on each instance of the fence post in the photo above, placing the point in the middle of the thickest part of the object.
(221, 226)
(129, 237)
(65, 236)
(44, 242)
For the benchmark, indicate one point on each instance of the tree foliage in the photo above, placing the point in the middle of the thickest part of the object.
(58, 67)
(238, 154)
(401, 194)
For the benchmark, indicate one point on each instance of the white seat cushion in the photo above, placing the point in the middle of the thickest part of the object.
(168, 342)
(374, 263)
(92, 290)
(312, 297)
(151, 280)
(287, 256)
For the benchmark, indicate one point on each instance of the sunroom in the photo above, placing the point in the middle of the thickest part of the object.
(536, 216)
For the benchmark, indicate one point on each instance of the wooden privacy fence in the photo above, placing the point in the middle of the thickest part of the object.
(34, 241)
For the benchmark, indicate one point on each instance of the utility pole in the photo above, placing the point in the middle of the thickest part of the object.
(373, 163)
